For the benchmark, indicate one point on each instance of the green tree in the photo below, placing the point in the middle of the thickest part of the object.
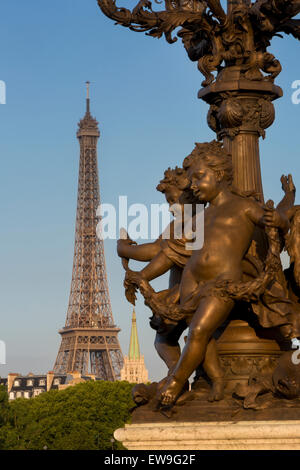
(4, 405)
(82, 417)
(4, 413)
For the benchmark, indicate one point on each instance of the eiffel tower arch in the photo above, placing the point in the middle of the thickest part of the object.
(90, 338)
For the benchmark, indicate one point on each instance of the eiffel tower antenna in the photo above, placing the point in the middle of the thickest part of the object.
(88, 96)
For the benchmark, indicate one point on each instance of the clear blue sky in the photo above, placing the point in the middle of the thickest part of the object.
(144, 95)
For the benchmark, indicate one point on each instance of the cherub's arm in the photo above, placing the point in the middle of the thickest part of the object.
(129, 249)
(157, 267)
(144, 252)
(288, 200)
(265, 216)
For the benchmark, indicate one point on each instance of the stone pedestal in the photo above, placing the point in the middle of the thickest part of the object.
(244, 353)
(240, 435)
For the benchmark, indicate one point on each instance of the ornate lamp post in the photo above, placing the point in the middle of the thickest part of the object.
(230, 49)
(234, 45)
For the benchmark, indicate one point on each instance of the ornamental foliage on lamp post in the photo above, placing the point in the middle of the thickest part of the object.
(211, 36)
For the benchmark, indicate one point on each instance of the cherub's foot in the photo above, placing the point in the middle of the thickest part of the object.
(217, 390)
(170, 392)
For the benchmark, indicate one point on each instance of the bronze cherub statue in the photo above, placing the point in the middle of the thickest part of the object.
(212, 280)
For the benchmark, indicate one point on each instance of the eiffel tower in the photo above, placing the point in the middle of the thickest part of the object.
(89, 339)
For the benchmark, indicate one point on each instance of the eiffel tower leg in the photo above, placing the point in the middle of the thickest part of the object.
(117, 362)
(80, 363)
(100, 365)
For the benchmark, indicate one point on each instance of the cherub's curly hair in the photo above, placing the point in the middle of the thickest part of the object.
(174, 177)
(214, 155)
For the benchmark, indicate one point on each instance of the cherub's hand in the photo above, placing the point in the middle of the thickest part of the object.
(132, 277)
(122, 246)
(287, 184)
(131, 284)
(273, 218)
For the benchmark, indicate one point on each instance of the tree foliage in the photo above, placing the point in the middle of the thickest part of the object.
(82, 417)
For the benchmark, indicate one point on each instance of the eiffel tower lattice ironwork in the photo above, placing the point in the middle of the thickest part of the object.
(89, 339)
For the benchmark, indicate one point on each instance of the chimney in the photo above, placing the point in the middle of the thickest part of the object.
(50, 377)
(10, 381)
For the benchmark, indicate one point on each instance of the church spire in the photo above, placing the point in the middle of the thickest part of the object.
(134, 369)
(134, 347)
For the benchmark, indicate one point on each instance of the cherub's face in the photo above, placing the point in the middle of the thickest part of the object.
(172, 195)
(204, 182)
